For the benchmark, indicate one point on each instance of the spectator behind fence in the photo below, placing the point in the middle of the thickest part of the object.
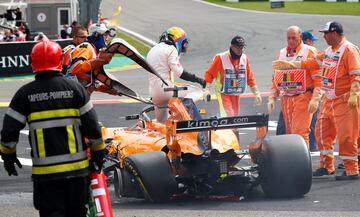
(25, 29)
(9, 36)
(18, 17)
(40, 37)
(65, 33)
(1, 36)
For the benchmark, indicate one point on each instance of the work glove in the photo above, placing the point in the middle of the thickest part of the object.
(283, 64)
(193, 78)
(9, 163)
(97, 160)
(207, 93)
(201, 81)
(315, 100)
(271, 104)
(258, 100)
(354, 94)
(100, 87)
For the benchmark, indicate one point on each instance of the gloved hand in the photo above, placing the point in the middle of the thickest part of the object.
(9, 163)
(193, 78)
(207, 93)
(258, 100)
(283, 64)
(97, 158)
(271, 104)
(256, 92)
(315, 100)
(354, 94)
(201, 81)
(100, 87)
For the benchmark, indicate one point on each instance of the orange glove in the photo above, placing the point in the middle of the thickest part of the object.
(315, 100)
(354, 94)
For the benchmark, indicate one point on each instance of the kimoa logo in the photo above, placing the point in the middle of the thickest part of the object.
(216, 122)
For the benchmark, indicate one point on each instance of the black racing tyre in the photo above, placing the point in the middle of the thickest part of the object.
(125, 185)
(285, 166)
(153, 173)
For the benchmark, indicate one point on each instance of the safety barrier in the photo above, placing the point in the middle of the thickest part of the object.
(15, 57)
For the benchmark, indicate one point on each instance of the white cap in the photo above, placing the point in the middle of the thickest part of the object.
(97, 27)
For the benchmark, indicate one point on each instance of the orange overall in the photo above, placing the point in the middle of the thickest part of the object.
(296, 87)
(229, 104)
(81, 57)
(340, 67)
(67, 57)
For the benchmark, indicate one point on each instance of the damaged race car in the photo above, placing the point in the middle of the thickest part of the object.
(192, 156)
(196, 156)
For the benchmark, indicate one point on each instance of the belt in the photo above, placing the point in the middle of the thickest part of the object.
(297, 94)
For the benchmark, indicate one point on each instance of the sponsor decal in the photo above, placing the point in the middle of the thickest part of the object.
(222, 123)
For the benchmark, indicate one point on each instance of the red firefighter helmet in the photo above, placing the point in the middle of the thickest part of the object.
(46, 56)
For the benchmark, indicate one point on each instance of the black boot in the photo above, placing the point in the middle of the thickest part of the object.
(344, 177)
(322, 172)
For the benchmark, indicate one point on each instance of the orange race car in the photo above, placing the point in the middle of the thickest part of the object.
(200, 157)
(190, 155)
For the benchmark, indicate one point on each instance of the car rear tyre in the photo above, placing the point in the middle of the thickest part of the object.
(285, 166)
(153, 174)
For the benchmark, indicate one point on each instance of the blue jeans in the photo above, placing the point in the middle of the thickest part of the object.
(281, 129)
(312, 142)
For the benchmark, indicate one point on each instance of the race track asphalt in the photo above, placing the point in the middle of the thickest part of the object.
(210, 29)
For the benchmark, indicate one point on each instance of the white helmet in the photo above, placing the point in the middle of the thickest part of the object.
(97, 28)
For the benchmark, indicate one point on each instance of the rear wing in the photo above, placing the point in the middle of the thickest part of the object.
(260, 120)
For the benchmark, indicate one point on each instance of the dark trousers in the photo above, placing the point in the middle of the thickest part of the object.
(62, 197)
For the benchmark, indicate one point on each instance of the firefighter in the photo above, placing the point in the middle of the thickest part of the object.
(88, 56)
(339, 111)
(59, 115)
(232, 73)
(296, 87)
(165, 59)
(79, 35)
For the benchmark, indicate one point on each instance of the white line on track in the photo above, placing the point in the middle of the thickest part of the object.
(137, 35)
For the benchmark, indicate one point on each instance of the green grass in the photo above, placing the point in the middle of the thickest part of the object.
(140, 46)
(332, 8)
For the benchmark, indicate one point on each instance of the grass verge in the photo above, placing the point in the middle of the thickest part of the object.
(140, 46)
(308, 7)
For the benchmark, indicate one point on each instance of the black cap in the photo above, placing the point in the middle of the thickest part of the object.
(332, 26)
(238, 41)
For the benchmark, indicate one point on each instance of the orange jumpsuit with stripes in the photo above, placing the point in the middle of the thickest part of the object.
(295, 86)
(67, 57)
(80, 65)
(340, 67)
(229, 103)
